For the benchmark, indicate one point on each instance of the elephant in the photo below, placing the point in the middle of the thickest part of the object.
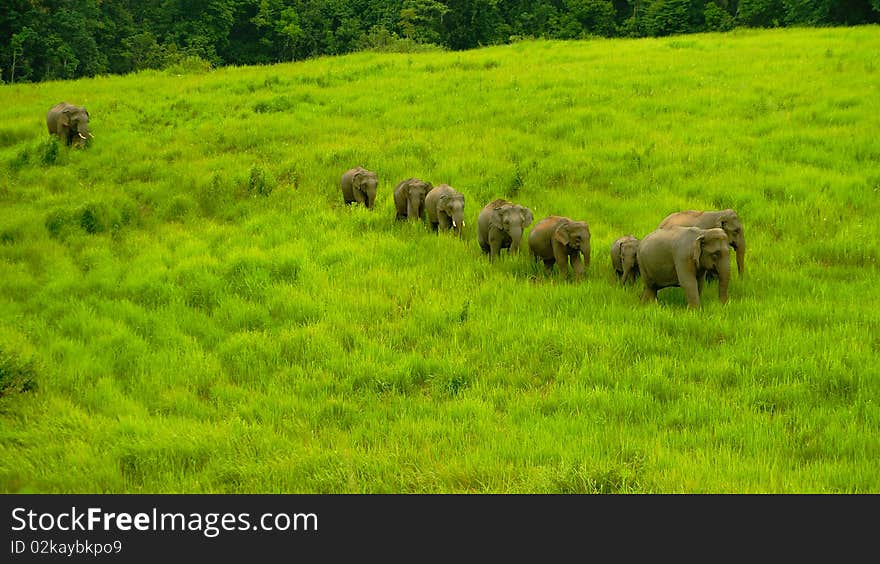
(624, 259)
(560, 240)
(727, 220)
(409, 198)
(359, 185)
(445, 208)
(681, 256)
(500, 225)
(70, 123)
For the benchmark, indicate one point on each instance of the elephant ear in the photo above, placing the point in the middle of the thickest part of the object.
(444, 199)
(65, 117)
(561, 234)
(697, 249)
(527, 217)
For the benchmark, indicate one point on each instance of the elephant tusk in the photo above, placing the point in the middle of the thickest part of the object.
(454, 224)
(81, 136)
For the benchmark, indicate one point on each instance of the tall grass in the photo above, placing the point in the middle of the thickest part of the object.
(187, 305)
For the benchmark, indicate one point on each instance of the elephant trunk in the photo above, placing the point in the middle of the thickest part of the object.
(458, 221)
(82, 130)
(741, 257)
(585, 250)
(628, 264)
(723, 280)
(515, 238)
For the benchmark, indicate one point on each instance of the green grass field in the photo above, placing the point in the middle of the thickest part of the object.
(187, 305)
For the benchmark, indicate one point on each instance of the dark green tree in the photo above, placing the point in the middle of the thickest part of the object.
(760, 13)
(420, 20)
(472, 23)
(668, 17)
(717, 18)
(582, 18)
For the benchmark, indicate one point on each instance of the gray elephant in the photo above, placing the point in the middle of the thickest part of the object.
(70, 123)
(624, 259)
(359, 185)
(681, 256)
(445, 208)
(500, 225)
(727, 220)
(409, 198)
(561, 240)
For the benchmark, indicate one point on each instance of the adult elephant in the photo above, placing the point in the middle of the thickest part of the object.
(624, 259)
(444, 206)
(500, 225)
(681, 256)
(359, 185)
(561, 240)
(727, 220)
(70, 123)
(409, 198)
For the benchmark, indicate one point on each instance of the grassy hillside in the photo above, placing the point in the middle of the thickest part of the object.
(187, 306)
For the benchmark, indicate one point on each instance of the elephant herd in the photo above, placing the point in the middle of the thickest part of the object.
(685, 250)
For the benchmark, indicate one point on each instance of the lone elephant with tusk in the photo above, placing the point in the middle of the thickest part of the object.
(359, 185)
(70, 123)
(727, 220)
(624, 259)
(445, 208)
(500, 225)
(561, 240)
(681, 256)
(409, 198)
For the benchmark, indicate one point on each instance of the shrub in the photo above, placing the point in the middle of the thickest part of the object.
(17, 374)
(259, 182)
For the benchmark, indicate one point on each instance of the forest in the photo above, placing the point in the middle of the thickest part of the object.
(65, 39)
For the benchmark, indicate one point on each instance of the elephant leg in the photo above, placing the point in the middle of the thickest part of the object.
(700, 282)
(444, 221)
(434, 226)
(359, 196)
(548, 264)
(561, 258)
(691, 291)
(650, 293)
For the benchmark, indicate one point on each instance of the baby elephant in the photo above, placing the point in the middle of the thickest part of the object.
(445, 208)
(681, 256)
(500, 225)
(359, 185)
(561, 240)
(409, 198)
(624, 259)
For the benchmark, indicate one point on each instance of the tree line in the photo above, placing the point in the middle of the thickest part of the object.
(62, 39)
